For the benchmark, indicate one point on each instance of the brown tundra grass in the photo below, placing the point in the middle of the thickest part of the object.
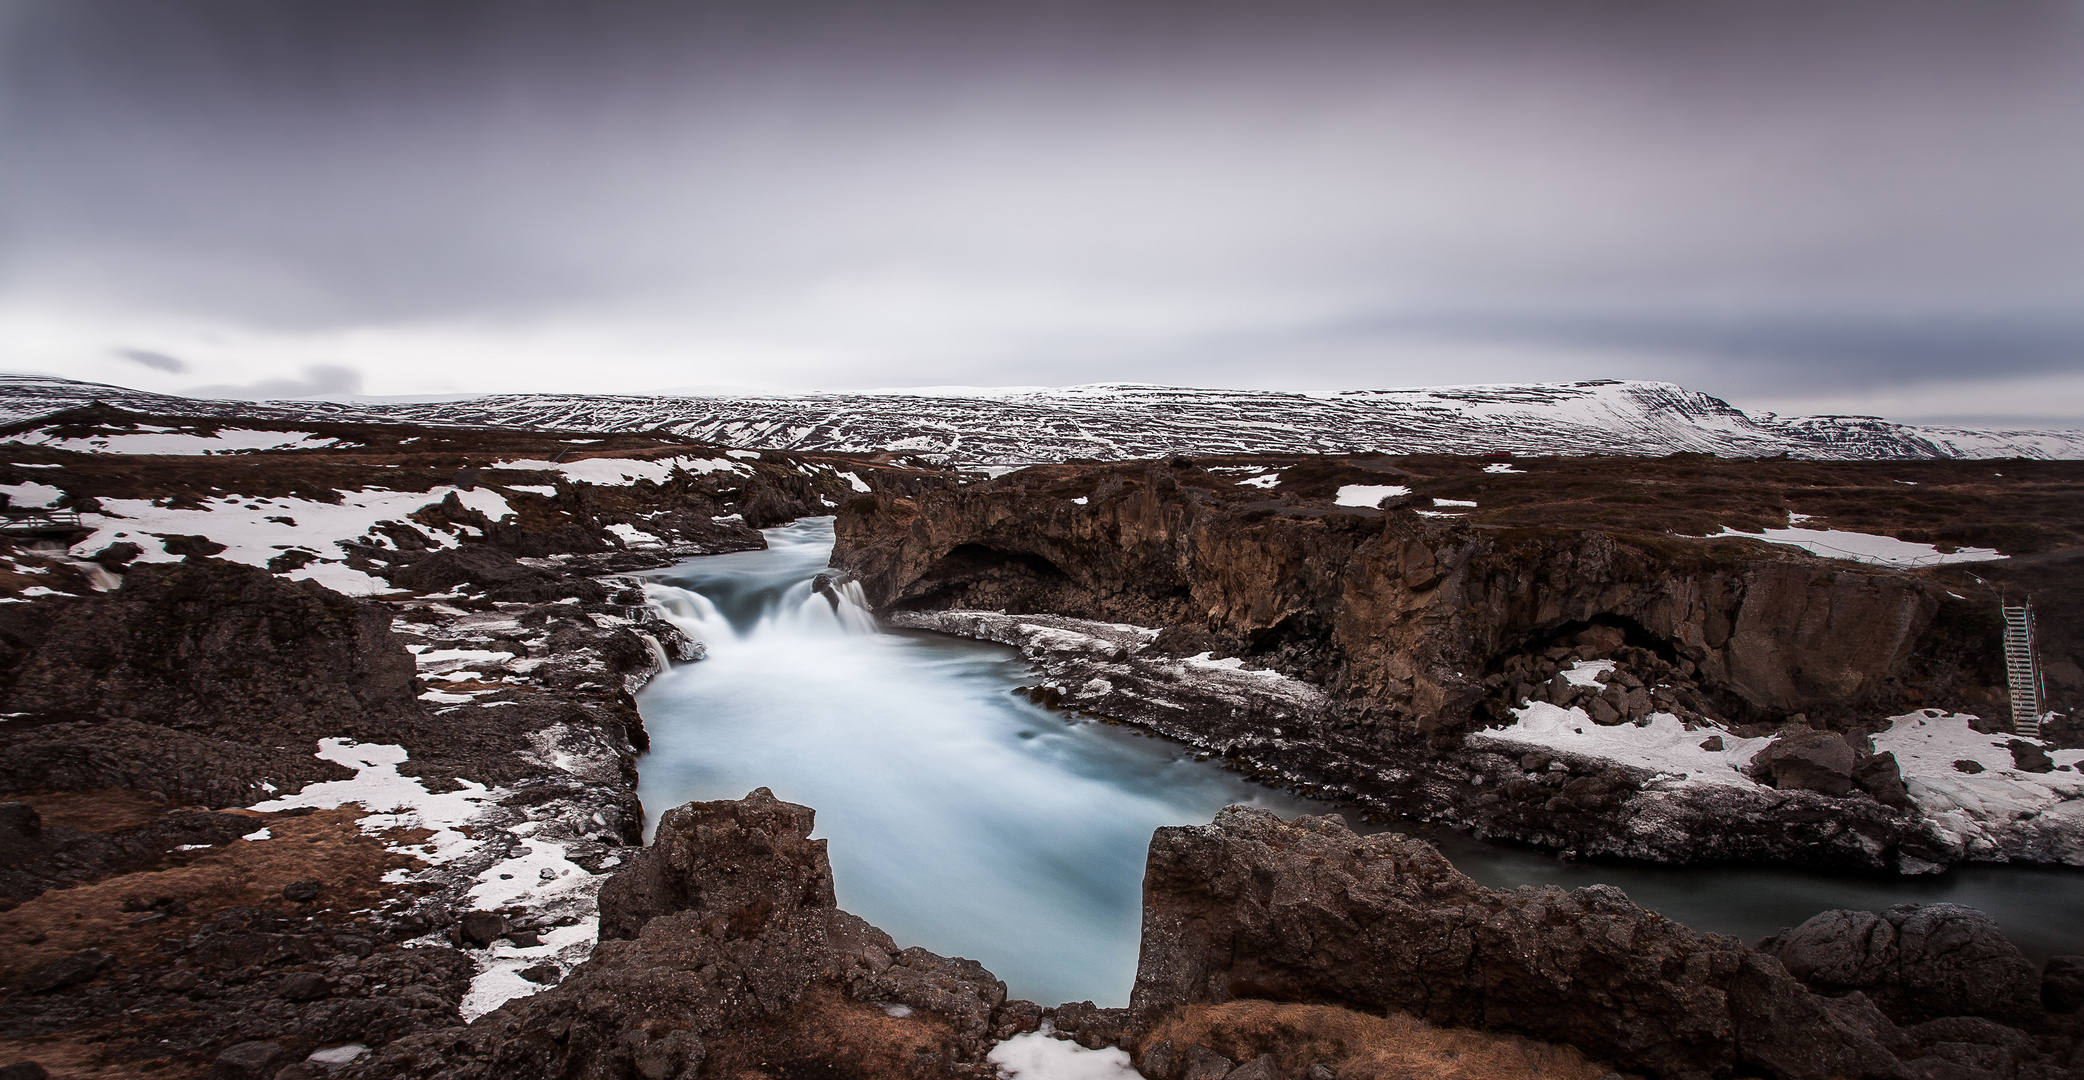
(1358, 1046)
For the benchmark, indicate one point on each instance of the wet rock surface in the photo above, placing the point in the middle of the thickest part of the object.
(1252, 907)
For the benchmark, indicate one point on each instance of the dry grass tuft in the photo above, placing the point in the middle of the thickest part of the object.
(1358, 1046)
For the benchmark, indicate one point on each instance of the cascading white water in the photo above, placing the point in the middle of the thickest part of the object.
(965, 819)
(961, 817)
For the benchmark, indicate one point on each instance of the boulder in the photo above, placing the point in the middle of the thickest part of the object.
(249, 1061)
(1916, 961)
(2062, 984)
(722, 951)
(2030, 757)
(1881, 777)
(1306, 911)
(1819, 761)
(66, 971)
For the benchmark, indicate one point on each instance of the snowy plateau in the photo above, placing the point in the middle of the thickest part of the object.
(1117, 421)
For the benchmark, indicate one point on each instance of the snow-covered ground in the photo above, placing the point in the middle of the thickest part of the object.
(1999, 813)
(255, 530)
(1866, 547)
(535, 874)
(2002, 812)
(162, 440)
(1368, 495)
(619, 471)
(1664, 745)
(1040, 1055)
(1119, 421)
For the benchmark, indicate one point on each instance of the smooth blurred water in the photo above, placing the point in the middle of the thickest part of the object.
(961, 817)
(967, 820)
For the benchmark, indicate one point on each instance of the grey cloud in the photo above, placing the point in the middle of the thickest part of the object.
(320, 380)
(157, 361)
(1754, 190)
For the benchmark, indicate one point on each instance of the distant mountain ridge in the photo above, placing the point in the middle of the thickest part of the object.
(1132, 421)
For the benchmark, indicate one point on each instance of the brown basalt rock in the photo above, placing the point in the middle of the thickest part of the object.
(1399, 611)
(722, 951)
(214, 649)
(1254, 907)
(746, 862)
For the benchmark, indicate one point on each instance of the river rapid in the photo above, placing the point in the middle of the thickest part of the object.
(965, 819)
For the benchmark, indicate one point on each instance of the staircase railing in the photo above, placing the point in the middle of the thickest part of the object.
(2021, 671)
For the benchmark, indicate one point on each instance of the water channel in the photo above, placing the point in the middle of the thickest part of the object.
(965, 819)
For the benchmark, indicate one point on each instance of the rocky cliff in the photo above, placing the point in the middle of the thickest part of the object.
(1388, 643)
(723, 953)
(1306, 911)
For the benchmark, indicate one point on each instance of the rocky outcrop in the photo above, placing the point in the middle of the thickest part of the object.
(1254, 907)
(210, 647)
(198, 680)
(1375, 654)
(723, 954)
(1917, 962)
(1400, 614)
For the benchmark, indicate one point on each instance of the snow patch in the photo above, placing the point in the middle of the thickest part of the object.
(1453, 502)
(255, 530)
(1501, 469)
(1039, 1055)
(1864, 547)
(1368, 495)
(181, 443)
(394, 801)
(2001, 812)
(1663, 745)
(30, 494)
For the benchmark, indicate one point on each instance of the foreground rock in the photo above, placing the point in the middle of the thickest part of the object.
(1253, 907)
(723, 954)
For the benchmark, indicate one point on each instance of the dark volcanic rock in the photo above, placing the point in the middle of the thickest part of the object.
(1819, 761)
(497, 572)
(69, 971)
(32, 861)
(750, 861)
(208, 667)
(2062, 984)
(1252, 907)
(1916, 961)
(1400, 612)
(722, 951)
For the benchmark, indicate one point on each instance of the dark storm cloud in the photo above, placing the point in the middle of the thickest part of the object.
(157, 361)
(1757, 191)
(319, 380)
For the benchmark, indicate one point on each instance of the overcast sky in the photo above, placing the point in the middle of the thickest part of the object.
(1800, 205)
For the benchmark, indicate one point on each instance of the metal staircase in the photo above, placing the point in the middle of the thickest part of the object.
(2020, 669)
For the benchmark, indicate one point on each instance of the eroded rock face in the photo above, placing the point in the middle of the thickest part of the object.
(211, 647)
(1397, 612)
(1254, 907)
(723, 954)
(1917, 961)
(197, 680)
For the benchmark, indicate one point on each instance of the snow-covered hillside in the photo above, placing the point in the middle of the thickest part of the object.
(1121, 421)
